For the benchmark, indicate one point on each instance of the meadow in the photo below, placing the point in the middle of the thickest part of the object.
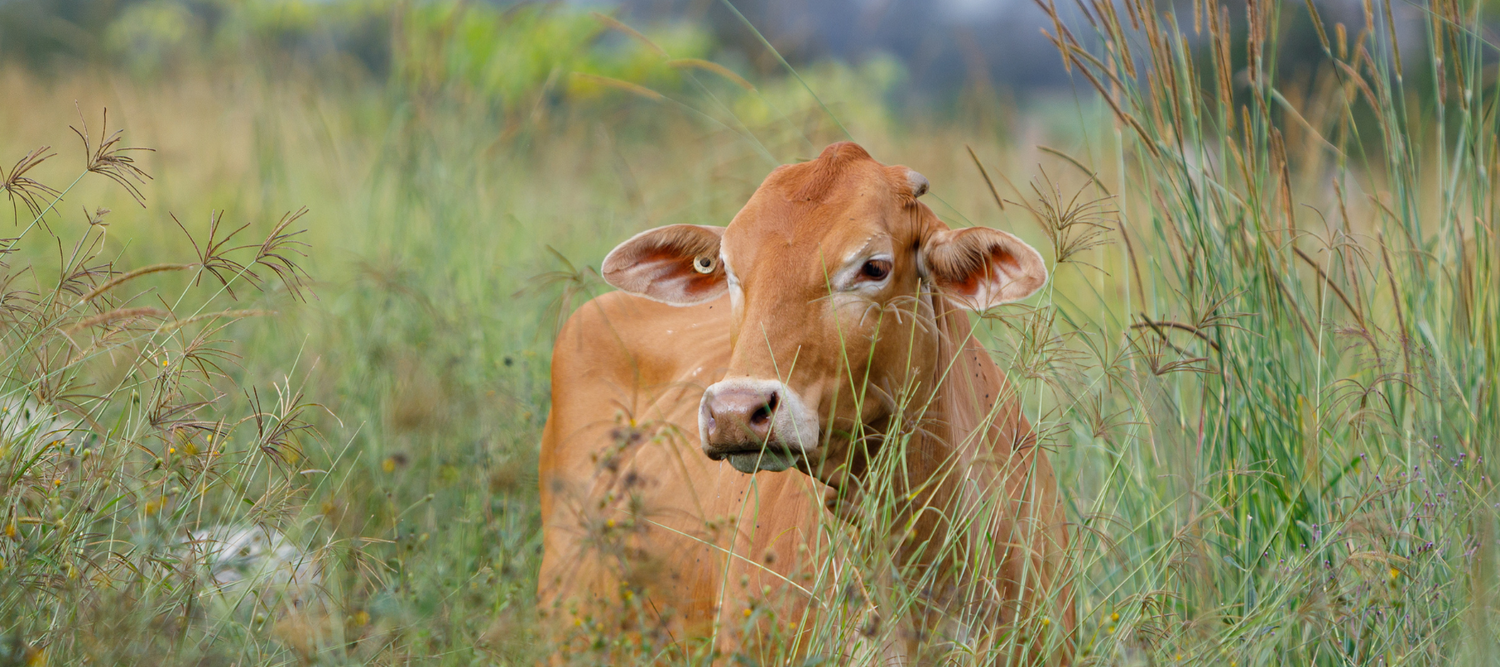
(1265, 366)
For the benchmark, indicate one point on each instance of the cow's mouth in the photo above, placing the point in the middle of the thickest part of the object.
(752, 460)
(756, 425)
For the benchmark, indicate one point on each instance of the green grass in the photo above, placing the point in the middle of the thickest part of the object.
(1270, 400)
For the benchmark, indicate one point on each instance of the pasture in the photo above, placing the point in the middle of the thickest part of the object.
(1265, 366)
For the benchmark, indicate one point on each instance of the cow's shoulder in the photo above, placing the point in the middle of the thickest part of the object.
(618, 359)
(643, 342)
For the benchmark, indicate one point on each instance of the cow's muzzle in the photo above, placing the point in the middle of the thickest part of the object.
(755, 424)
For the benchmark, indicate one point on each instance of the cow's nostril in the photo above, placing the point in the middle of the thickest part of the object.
(762, 415)
(736, 416)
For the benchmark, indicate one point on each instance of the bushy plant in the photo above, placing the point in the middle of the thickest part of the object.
(136, 476)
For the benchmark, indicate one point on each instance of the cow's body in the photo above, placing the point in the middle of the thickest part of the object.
(831, 276)
(677, 516)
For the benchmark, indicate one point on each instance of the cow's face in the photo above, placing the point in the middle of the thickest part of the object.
(825, 267)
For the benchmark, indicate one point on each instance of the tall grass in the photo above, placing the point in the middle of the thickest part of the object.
(1281, 400)
(120, 447)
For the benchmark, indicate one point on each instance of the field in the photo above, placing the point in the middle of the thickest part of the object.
(1266, 366)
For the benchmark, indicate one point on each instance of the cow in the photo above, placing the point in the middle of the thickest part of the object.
(748, 386)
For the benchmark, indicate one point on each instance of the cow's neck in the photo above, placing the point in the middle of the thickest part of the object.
(962, 454)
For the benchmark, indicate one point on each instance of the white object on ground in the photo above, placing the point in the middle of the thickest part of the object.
(259, 562)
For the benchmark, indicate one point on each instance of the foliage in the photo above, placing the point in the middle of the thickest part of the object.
(516, 58)
(512, 56)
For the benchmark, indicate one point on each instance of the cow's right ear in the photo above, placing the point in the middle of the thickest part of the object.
(676, 264)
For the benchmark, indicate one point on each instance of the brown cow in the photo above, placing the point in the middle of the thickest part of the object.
(838, 351)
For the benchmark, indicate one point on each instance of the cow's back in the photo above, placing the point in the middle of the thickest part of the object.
(644, 537)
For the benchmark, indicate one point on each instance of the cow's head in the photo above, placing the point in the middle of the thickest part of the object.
(828, 269)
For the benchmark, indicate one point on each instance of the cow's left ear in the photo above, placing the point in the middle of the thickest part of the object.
(982, 268)
(676, 264)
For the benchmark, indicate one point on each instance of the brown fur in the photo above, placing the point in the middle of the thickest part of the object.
(812, 181)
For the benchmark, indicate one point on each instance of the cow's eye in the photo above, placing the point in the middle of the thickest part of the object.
(875, 269)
